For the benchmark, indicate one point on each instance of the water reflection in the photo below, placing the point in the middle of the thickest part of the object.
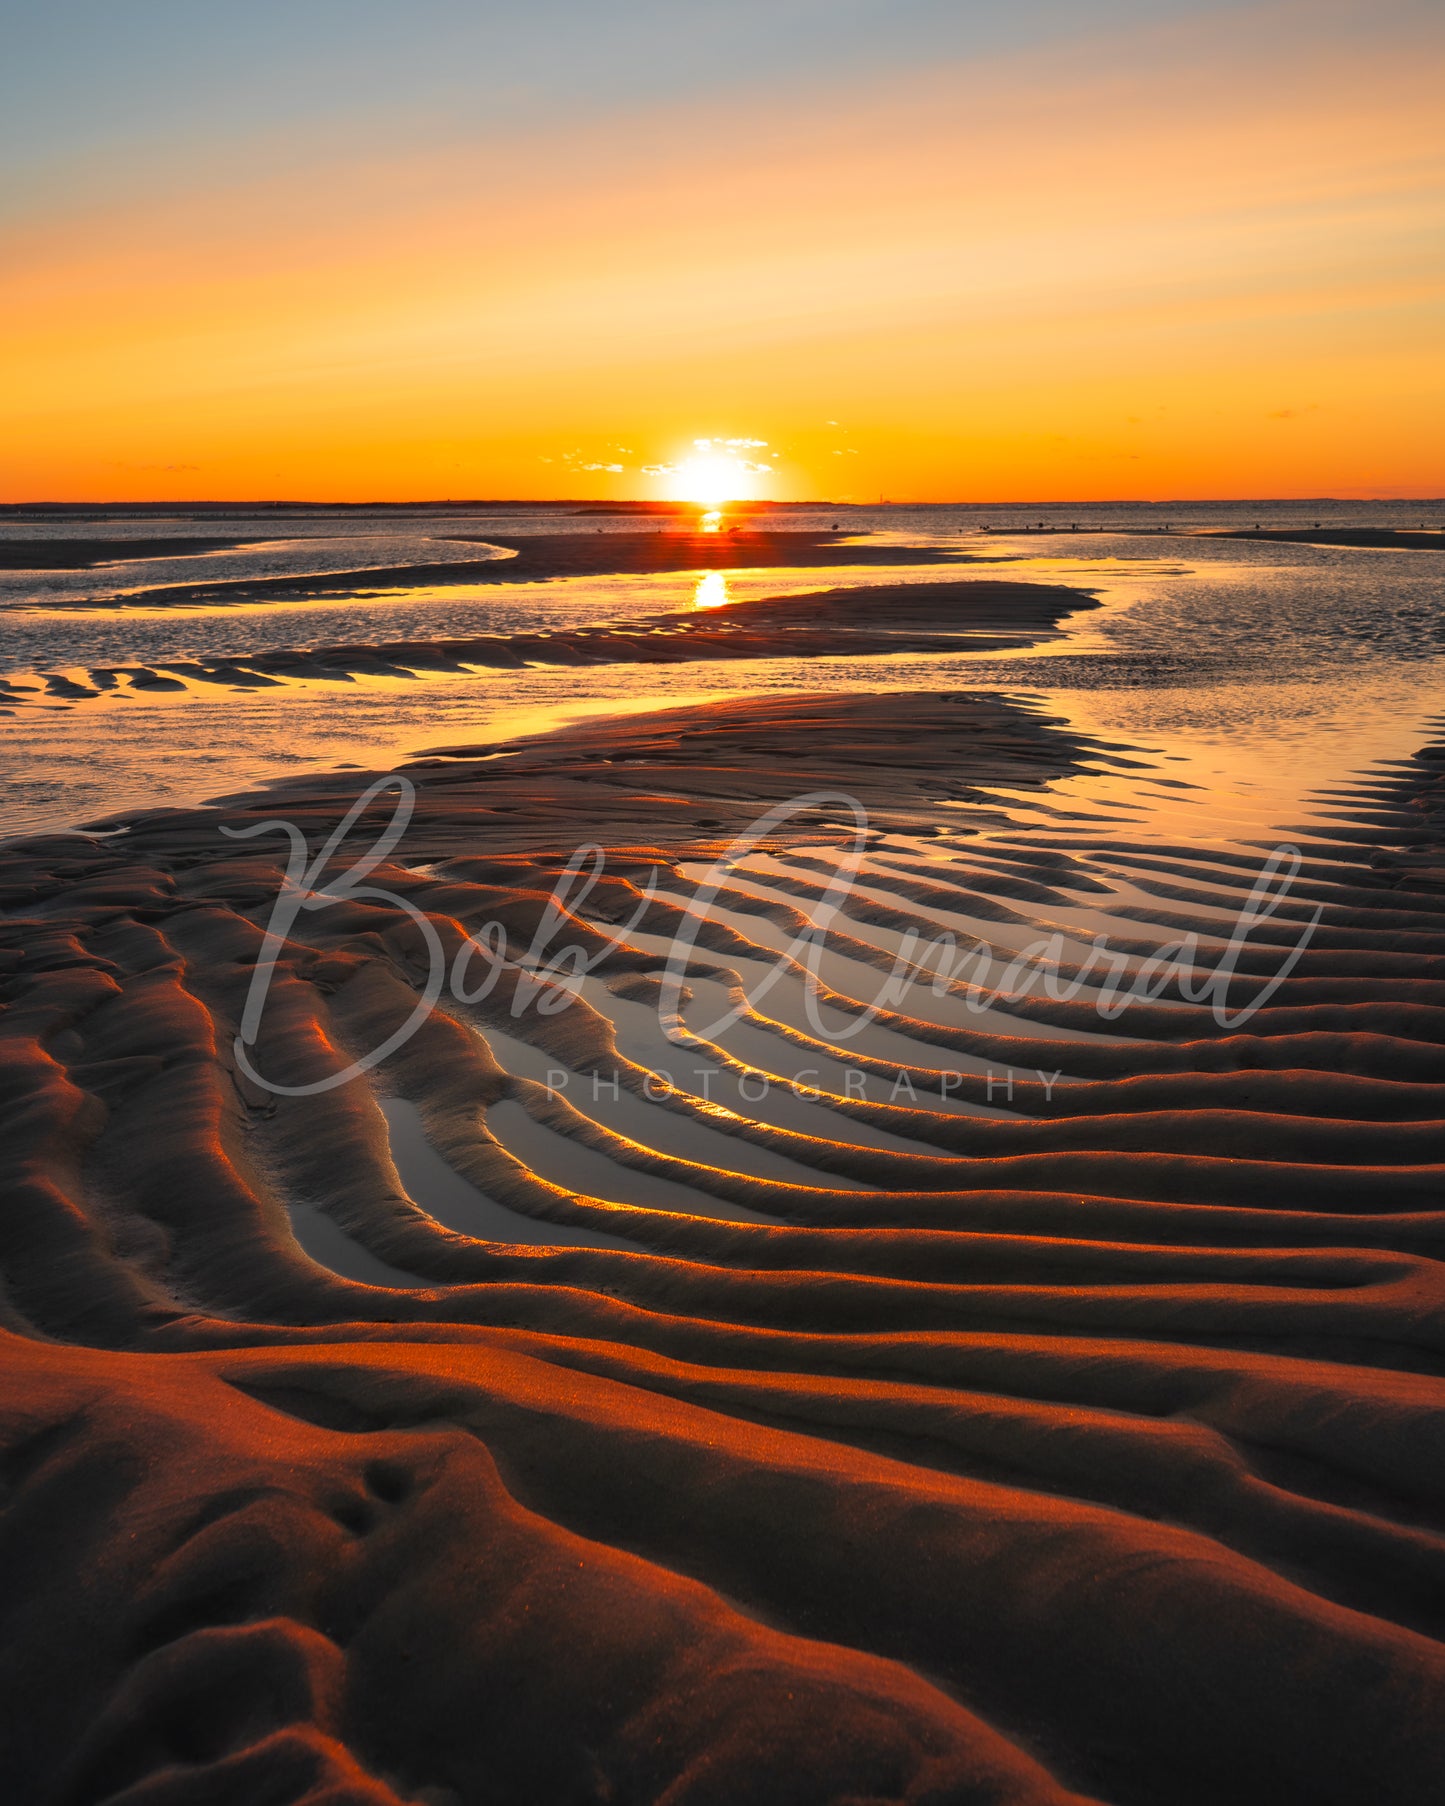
(1241, 648)
(711, 522)
(711, 591)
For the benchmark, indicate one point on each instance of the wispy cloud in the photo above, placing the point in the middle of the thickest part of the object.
(575, 461)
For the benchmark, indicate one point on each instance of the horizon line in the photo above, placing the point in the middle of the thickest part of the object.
(593, 505)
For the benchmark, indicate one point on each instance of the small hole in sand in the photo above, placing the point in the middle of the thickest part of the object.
(388, 1483)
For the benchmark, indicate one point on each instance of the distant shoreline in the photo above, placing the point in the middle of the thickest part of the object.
(592, 506)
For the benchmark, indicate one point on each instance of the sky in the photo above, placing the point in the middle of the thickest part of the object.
(924, 249)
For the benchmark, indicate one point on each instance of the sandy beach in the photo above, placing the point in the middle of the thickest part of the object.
(725, 1350)
(722, 904)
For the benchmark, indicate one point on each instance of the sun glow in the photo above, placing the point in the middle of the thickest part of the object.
(715, 472)
(711, 479)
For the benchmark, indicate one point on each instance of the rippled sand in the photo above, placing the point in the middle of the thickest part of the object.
(729, 1386)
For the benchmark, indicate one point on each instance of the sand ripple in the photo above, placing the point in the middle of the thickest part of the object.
(1034, 1405)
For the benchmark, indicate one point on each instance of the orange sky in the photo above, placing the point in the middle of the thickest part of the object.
(1188, 262)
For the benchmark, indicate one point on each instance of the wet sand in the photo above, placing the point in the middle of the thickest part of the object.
(536, 557)
(1064, 1424)
(84, 554)
(970, 615)
(1386, 538)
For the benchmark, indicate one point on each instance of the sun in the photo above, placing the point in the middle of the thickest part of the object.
(711, 478)
(716, 472)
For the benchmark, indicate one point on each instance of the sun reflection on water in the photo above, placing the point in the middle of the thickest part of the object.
(711, 591)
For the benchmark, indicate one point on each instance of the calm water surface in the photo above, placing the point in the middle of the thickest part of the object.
(1258, 670)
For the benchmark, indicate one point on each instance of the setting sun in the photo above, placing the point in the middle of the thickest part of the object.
(714, 472)
(710, 479)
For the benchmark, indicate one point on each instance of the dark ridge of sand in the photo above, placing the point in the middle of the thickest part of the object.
(81, 554)
(540, 556)
(1092, 1450)
(970, 615)
(1384, 537)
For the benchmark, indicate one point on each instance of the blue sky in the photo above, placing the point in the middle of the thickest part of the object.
(90, 88)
